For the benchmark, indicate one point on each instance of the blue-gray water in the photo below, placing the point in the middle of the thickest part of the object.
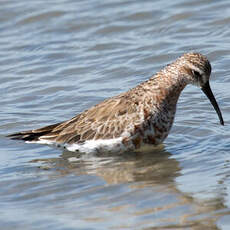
(58, 58)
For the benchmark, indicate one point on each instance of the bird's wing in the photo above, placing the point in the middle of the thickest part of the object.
(106, 120)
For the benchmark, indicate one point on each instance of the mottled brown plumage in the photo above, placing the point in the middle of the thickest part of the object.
(142, 115)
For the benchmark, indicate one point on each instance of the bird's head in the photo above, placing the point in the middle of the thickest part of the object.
(198, 70)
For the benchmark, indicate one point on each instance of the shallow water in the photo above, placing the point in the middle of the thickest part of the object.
(60, 57)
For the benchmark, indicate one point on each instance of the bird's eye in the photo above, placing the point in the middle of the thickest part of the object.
(196, 74)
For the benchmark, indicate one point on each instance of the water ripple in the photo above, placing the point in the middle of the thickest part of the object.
(57, 58)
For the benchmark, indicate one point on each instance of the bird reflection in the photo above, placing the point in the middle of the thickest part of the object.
(151, 167)
(154, 170)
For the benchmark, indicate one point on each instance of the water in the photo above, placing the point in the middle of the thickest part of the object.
(58, 58)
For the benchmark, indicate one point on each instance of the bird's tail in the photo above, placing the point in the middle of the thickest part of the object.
(33, 135)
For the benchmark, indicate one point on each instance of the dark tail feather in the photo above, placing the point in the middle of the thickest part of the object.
(32, 135)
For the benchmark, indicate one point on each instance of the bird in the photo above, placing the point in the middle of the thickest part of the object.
(141, 116)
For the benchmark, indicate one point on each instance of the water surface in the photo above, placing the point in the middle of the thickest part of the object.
(57, 58)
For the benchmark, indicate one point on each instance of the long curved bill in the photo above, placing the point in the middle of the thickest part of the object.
(208, 92)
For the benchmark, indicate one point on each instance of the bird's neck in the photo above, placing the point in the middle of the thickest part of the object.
(166, 86)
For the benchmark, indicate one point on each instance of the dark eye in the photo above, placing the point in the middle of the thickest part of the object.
(196, 74)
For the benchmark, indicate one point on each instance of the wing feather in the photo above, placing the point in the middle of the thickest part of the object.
(105, 120)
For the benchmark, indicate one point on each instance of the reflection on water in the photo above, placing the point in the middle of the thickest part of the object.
(147, 178)
(133, 167)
